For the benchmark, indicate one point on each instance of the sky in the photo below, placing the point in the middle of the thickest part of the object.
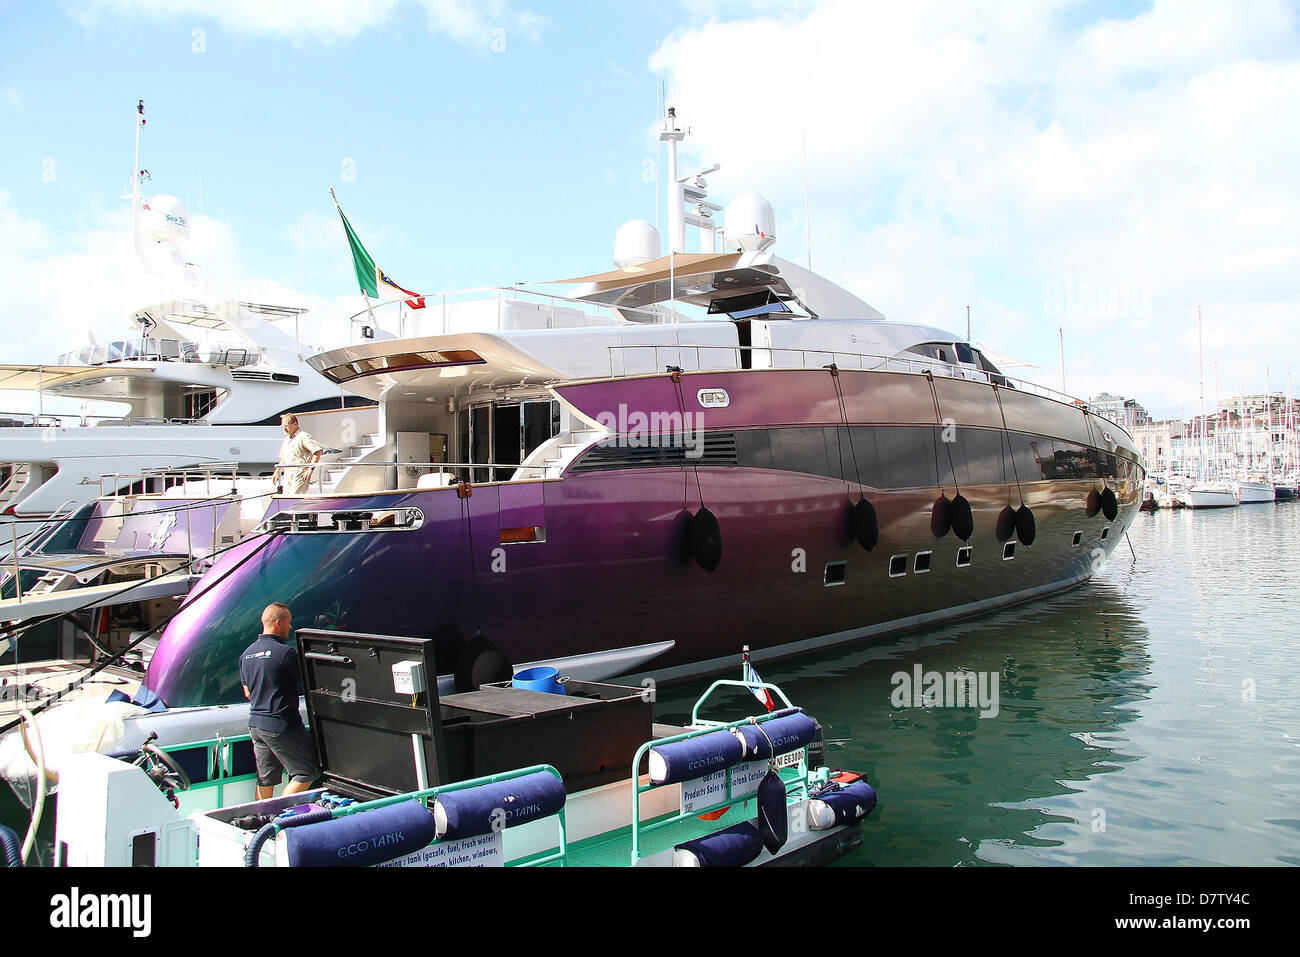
(1087, 171)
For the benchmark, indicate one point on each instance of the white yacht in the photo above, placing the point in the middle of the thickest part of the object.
(204, 385)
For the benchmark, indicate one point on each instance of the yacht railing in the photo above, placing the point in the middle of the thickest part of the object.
(438, 302)
(133, 350)
(27, 420)
(820, 358)
(123, 484)
(456, 472)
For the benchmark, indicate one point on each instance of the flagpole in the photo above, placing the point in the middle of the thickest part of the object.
(374, 323)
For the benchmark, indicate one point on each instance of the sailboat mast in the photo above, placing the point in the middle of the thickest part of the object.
(1200, 401)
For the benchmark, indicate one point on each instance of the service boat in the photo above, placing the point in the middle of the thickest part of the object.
(577, 775)
(627, 490)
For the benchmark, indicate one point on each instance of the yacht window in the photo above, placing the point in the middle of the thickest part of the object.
(835, 573)
(964, 353)
(897, 566)
(963, 556)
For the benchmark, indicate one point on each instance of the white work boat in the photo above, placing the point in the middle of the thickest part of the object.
(503, 776)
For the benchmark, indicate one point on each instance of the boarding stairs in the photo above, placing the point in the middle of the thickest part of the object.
(335, 469)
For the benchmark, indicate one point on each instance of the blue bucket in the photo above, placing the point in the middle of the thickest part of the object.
(539, 679)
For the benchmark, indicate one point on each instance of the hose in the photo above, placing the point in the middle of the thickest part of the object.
(253, 853)
(12, 849)
(38, 806)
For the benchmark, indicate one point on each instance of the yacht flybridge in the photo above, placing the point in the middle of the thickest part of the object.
(684, 454)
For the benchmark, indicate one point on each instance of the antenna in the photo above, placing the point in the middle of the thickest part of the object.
(1060, 330)
(807, 209)
(676, 221)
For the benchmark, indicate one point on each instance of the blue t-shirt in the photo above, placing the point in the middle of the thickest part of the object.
(269, 670)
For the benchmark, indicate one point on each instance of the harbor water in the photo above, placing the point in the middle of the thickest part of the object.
(1149, 717)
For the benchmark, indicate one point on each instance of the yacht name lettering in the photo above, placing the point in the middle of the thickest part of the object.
(76, 910)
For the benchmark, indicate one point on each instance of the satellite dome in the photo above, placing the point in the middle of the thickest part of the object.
(636, 242)
(750, 224)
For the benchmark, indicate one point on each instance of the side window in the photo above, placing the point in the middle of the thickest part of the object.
(963, 353)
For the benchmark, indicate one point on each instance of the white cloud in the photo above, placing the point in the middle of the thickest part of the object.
(991, 154)
(11, 96)
(467, 21)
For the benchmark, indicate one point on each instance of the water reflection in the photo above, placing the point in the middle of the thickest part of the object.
(957, 788)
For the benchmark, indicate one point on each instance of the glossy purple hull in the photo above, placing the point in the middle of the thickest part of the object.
(615, 569)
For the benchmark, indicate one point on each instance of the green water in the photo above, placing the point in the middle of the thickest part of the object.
(1149, 717)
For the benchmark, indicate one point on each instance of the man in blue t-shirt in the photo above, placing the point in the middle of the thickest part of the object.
(272, 683)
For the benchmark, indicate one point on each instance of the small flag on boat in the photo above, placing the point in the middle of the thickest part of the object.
(370, 276)
(752, 679)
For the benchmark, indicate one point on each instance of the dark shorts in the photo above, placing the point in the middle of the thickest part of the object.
(289, 750)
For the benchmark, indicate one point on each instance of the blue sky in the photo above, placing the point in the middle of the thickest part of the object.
(1098, 167)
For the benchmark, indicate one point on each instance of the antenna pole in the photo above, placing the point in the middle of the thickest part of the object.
(807, 209)
(676, 198)
(1060, 331)
(135, 183)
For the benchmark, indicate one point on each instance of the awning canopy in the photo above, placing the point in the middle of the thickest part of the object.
(38, 377)
(679, 264)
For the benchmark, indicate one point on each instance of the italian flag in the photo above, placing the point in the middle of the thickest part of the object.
(369, 276)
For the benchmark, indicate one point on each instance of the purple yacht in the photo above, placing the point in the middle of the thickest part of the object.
(687, 454)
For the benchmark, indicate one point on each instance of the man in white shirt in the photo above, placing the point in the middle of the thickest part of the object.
(299, 454)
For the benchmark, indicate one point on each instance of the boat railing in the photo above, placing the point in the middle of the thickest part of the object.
(28, 420)
(437, 304)
(157, 481)
(451, 473)
(741, 783)
(808, 358)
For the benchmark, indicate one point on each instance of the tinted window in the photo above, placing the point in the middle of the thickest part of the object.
(801, 450)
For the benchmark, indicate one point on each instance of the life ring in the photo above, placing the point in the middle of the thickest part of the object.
(480, 662)
(941, 517)
(963, 521)
(706, 539)
(1006, 524)
(1026, 527)
(866, 527)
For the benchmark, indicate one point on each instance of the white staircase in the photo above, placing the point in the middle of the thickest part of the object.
(336, 469)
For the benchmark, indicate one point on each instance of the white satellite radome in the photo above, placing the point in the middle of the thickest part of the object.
(164, 219)
(635, 243)
(749, 224)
